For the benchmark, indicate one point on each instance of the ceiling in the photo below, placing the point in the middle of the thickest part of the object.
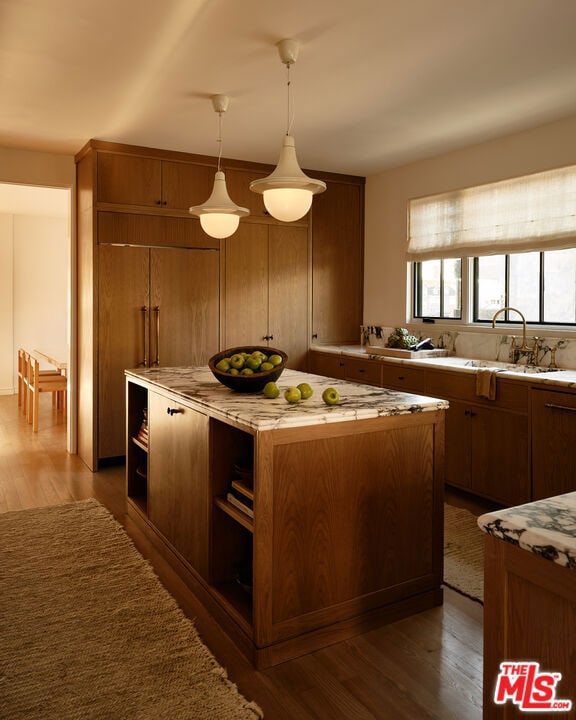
(378, 83)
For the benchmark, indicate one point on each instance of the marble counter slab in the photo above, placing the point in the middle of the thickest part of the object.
(200, 389)
(546, 527)
(557, 378)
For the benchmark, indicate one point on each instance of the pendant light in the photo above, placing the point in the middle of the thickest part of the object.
(219, 215)
(287, 190)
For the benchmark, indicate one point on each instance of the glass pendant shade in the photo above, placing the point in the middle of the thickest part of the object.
(219, 215)
(287, 190)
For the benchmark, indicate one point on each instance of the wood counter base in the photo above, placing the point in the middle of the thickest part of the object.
(346, 532)
(529, 616)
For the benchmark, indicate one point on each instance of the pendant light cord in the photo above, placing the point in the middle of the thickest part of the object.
(219, 139)
(289, 110)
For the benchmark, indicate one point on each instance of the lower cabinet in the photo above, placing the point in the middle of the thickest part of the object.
(487, 452)
(178, 497)
(553, 443)
(327, 364)
(338, 528)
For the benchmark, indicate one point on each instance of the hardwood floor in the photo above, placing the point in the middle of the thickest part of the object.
(426, 666)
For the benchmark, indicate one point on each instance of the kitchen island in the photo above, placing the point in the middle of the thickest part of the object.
(297, 525)
(530, 605)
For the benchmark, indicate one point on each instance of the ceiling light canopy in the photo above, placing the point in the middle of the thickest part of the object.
(219, 215)
(287, 190)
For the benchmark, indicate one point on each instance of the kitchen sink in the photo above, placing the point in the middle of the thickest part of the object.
(498, 366)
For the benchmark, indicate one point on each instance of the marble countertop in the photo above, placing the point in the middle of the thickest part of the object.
(545, 527)
(198, 387)
(557, 378)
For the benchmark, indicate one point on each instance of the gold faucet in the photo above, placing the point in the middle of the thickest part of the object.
(524, 347)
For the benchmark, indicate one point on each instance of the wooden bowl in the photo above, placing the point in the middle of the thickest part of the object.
(247, 383)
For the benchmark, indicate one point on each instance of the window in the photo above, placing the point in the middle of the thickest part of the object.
(541, 284)
(437, 289)
(516, 241)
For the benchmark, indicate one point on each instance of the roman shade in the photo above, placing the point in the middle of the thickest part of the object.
(534, 212)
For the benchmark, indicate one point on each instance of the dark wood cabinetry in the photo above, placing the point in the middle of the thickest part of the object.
(338, 262)
(346, 526)
(267, 289)
(263, 285)
(553, 443)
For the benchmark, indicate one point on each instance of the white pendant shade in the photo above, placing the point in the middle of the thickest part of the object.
(219, 215)
(287, 190)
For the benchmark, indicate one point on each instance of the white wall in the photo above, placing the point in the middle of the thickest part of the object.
(387, 195)
(34, 272)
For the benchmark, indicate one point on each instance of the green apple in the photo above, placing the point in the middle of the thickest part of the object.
(266, 366)
(237, 361)
(253, 362)
(292, 395)
(246, 371)
(305, 390)
(330, 396)
(223, 365)
(233, 371)
(275, 360)
(271, 390)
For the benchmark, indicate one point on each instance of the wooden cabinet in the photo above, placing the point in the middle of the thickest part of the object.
(327, 364)
(267, 289)
(157, 307)
(178, 489)
(529, 615)
(338, 263)
(487, 441)
(402, 377)
(487, 452)
(553, 443)
(141, 180)
(345, 529)
(363, 370)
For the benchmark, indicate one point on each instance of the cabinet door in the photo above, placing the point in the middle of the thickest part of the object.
(327, 364)
(246, 314)
(178, 478)
(457, 446)
(363, 371)
(123, 291)
(337, 226)
(184, 306)
(499, 458)
(185, 184)
(288, 292)
(403, 378)
(129, 179)
(553, 443)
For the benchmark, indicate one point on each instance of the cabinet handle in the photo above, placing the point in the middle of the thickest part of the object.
(144, 311)
(268, 337)
(314, 336)
(552, 406)
(156, 362)
(158, 202)
(174, 411)
(400, 377)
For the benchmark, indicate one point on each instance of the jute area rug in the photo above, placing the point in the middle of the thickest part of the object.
(87, 631)
(463, 553)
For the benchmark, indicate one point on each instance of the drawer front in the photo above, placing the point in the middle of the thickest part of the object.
(510, 395)
(405, 378)
(363, 371)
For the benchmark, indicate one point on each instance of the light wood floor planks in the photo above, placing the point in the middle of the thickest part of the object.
(425, 667)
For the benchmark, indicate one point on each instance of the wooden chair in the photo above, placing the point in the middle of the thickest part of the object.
(56, 384)
(23, 374)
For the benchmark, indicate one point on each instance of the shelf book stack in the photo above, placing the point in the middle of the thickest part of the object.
(241, 493)
(143, 431)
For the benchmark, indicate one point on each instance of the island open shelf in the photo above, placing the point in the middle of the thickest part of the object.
(335, 524)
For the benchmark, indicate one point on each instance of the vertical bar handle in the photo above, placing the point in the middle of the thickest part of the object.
(156, 362)
(144, 311)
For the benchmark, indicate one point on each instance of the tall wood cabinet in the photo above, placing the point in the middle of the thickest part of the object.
(154, 288)
(267, 289)
(338, 262)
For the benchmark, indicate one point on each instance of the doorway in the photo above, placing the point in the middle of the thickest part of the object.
(35, 280)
